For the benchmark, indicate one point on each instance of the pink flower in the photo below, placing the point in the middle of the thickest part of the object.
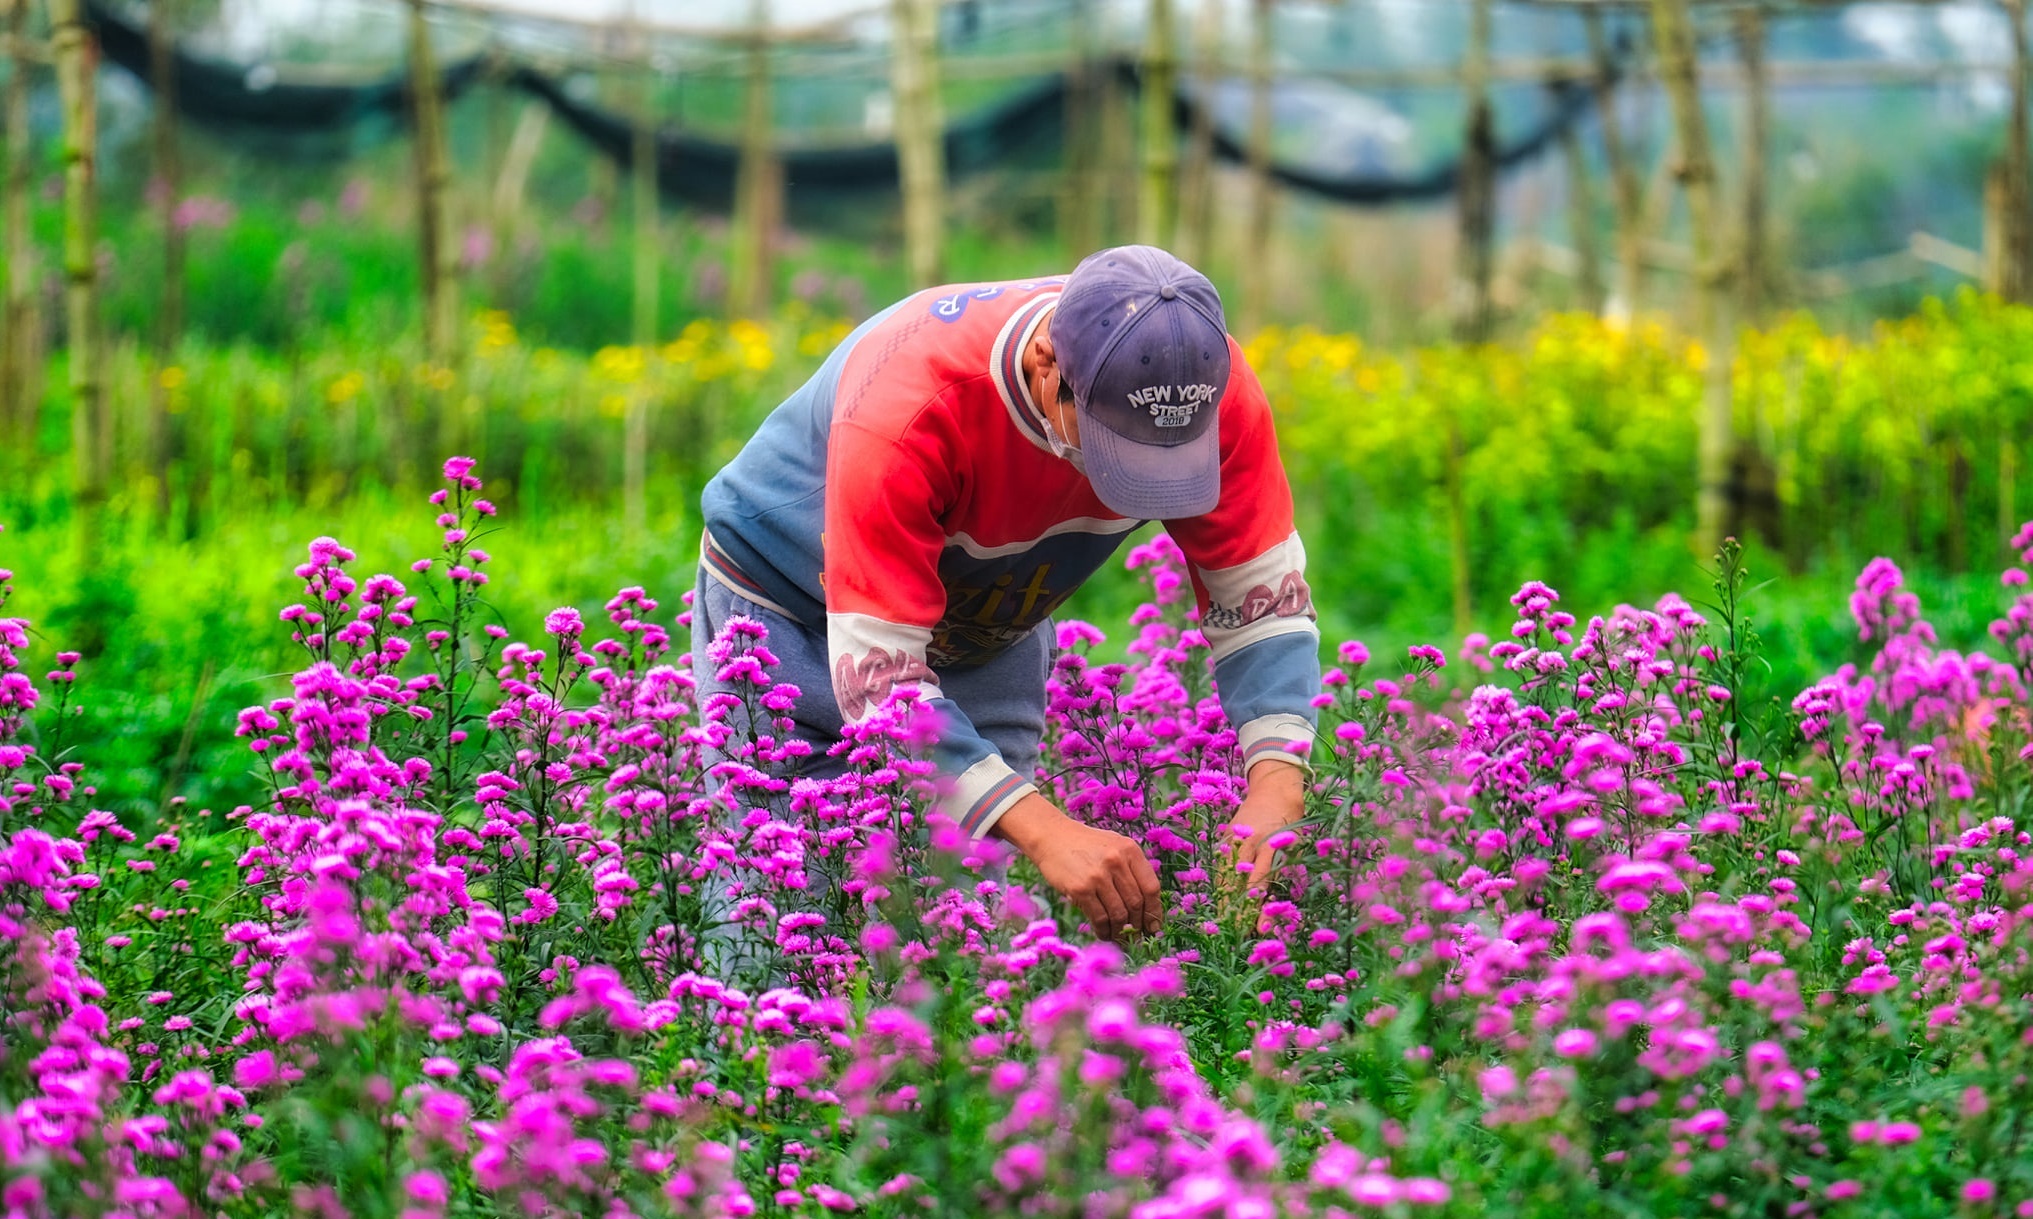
(1020, 1167)
(1574, 1043)
(426, 1188)
(1373, 1189)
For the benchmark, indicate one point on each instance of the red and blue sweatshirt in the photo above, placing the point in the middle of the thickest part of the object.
(907, 499)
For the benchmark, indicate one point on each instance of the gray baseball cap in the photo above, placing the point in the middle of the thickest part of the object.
(1140, 339)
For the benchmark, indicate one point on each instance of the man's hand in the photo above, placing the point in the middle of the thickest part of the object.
(1105, 874)
(1276, 798)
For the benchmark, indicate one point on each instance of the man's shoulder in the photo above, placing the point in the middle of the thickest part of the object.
(935, 340)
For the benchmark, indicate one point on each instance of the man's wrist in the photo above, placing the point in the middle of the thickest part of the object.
(1028, 823)
(1279, 770)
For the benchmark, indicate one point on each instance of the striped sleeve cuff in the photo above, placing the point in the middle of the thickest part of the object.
(983, 793)
(1289, 737)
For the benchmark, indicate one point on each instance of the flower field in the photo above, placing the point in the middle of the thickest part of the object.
(1576, 926)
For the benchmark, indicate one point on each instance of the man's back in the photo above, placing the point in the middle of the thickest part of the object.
(926, 399)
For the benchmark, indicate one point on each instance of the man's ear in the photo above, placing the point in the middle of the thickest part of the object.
(1043, 355)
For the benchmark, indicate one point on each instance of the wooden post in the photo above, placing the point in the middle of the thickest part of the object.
(1079, 199)
(168, 175)
(1625, 192)
(523, 145)
(1457, 532)
(1475, 255)
(643, 180)
(76, 54)
(1157, 201)
(1997, 228)
(17, 275)
(1755, 275)
(2016, 231)
(645, 209)
(2008, 480)
(603, 178)
(1115, 172)
(1673, 34)
(757, 180)
(1257, 255)
(434, 177)
(1195, 238)
(169, 184)
(920, 136)
(1581, 220)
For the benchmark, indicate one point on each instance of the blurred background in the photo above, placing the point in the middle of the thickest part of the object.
(1566, 290)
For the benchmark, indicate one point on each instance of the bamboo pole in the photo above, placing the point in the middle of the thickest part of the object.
(1753, 270)
(1157, 201)
(1997, 227)
(17, 275)
(434, 178)
(1626, 193)
(1195, 237)
(76, 54)
(513, 184)
(2016, 233)
(1115, 171)
(1475, 255)
(643, 181)
(2008, 480)
(1256, 257)
(1457, 532)
(169, 185)
(756, 180)
(920, 128)
(168, 174)
(1080, 196)
(1673, 34)
(644, 207)
(1581, 221)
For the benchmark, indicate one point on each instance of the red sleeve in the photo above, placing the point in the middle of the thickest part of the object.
(883, 532)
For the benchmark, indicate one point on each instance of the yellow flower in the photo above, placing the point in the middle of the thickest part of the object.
(619, 364)
(497, 332)
(171, 377)
(345, 388)
(435, 376)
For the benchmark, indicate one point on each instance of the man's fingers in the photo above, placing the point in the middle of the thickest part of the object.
(1113, 909)
(1144, 876)
(1145, 879)
(1096, 914)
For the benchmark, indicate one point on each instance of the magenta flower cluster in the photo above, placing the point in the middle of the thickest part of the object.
(524, 927)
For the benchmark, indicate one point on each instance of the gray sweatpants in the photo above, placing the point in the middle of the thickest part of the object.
(1005, 698)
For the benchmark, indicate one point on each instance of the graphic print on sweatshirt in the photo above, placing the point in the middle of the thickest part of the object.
(906, 501)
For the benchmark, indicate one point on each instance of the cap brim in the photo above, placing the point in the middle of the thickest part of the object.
(1152, 482)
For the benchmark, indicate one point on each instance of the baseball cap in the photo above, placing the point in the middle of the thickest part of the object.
(1140, 339)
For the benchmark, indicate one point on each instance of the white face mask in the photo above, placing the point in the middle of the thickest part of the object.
(1060, 448)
